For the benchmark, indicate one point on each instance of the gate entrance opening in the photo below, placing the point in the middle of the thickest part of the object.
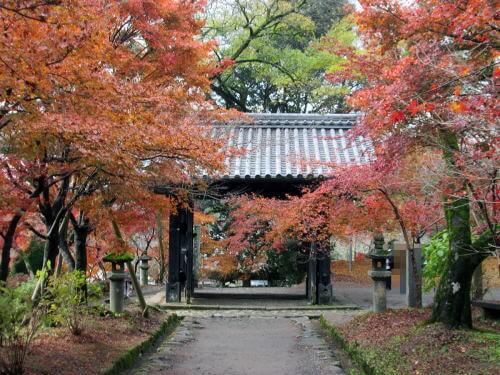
(281, 155)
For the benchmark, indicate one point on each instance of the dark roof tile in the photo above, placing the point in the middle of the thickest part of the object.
(293, 145)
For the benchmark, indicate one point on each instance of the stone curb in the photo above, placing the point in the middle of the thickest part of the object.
(127, 360)
(354, 352)
(256, 308)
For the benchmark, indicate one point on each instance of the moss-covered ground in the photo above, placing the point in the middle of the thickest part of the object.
(401, 342)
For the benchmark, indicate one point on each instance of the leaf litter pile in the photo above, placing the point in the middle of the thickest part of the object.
(400, 342)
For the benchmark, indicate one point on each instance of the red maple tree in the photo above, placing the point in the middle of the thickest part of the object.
(429, 71)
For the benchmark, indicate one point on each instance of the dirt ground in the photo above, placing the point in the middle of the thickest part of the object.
(104, 339)
(404, 344)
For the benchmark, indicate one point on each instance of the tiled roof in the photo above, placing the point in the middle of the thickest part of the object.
(291, 145)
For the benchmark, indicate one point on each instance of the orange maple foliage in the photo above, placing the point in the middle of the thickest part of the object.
(429, 85)
(103, 98)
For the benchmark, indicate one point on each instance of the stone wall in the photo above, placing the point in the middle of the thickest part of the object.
(491, 278)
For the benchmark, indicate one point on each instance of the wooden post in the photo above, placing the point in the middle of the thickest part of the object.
(173, 292)
(180, 252)
(350, 254)
(312, 276)
(196, 254)
(187, 244)
(308, 284)
(324, 287)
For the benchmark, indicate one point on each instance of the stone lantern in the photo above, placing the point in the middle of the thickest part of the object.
(379, 273)
(117, 278)
(144, 267)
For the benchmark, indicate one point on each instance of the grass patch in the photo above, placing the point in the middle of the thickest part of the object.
(357, 356)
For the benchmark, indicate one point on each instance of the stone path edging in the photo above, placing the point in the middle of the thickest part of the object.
(257, 308)
(127, 360)
(354, 353)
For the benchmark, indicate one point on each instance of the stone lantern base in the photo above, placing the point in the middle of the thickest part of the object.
(117, 291)
(143, 269)
(380, 278)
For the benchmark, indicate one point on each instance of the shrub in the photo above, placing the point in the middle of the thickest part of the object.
(19, 324)
(66, 300)
(435, 255)
(285, 268)
(95, 290)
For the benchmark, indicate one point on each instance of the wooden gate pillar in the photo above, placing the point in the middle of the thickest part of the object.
(187, 252)
(318, 282)
(324, 281)
(180, 254)
(312, 281)
(311, 276)
(174, 258)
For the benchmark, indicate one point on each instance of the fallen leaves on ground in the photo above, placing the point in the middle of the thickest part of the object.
(104, 339)
(358, 273)
(401, 342)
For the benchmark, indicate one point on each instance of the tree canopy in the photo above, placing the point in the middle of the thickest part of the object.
(428, 72)
(99, 101)
(274, 56)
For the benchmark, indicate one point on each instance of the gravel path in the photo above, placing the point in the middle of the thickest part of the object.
(253, 345)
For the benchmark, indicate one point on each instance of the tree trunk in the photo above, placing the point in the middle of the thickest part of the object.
(103, 271)
(46, 270)
(63, 245)
(81, 235)
(81, 230)
(27, 264)
(417, 277)
(52, 214)
(51, 249)
(452, 300)
(159, 228)
(8, 240)
(59, 266)
(410, 248)
(138, 290)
